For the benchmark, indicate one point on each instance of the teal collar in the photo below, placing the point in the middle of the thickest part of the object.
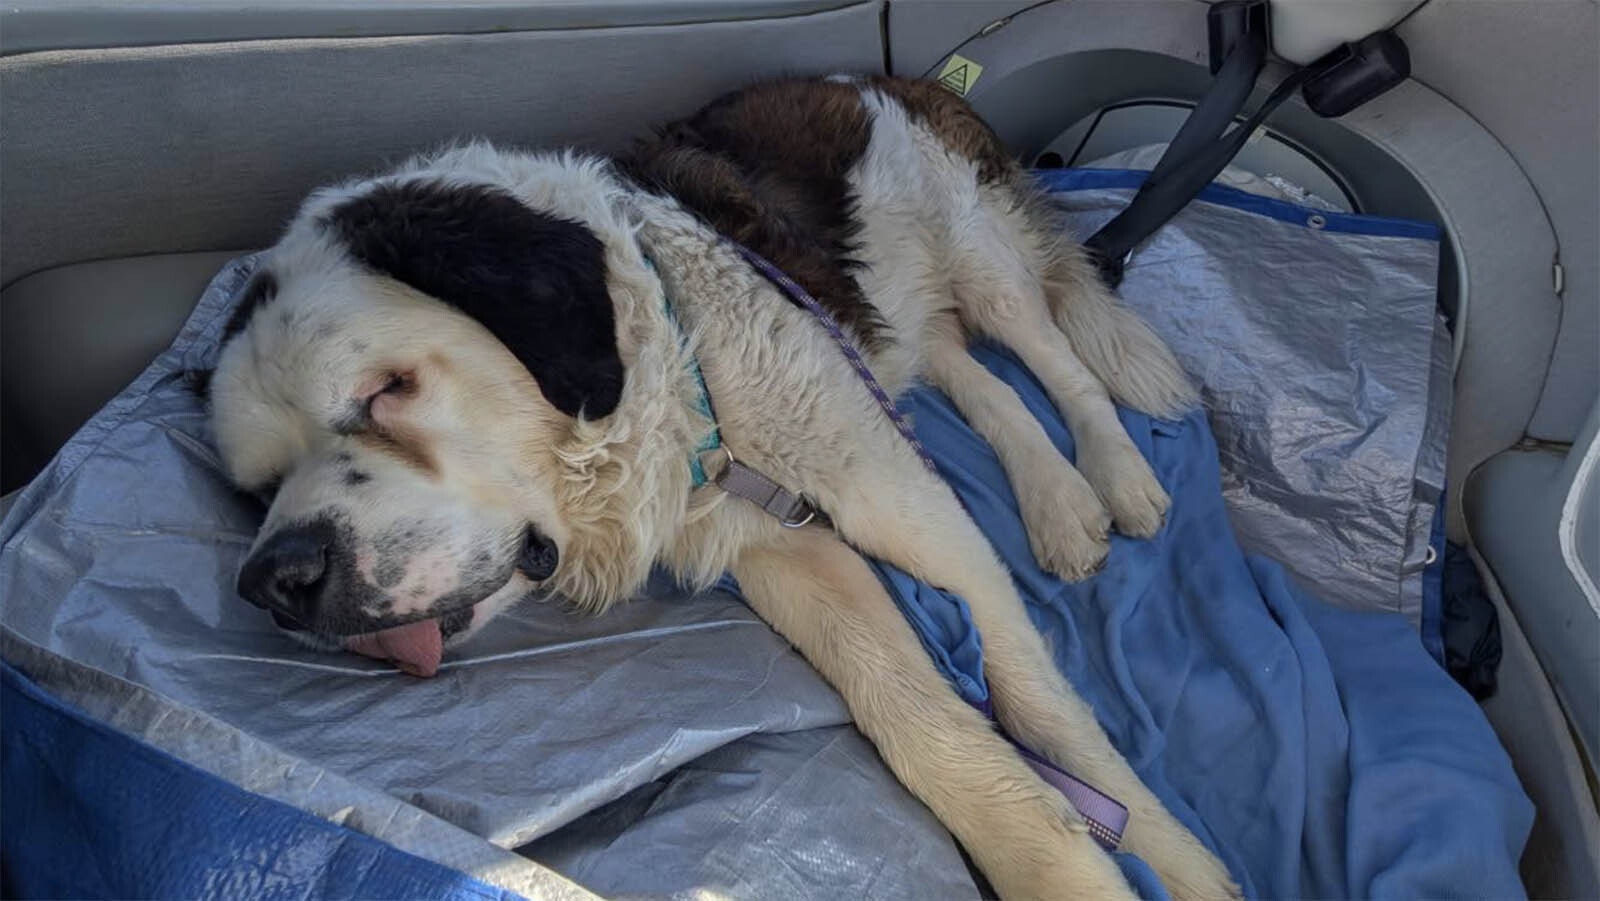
(713, 440)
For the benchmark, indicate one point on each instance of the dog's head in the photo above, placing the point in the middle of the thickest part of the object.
(401, 377)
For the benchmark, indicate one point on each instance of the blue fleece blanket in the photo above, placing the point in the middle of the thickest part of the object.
(1320, 752)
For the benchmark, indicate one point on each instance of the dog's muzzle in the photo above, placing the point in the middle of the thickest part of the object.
(300, 570)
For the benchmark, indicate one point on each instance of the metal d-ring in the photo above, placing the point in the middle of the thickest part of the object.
(727, 455)
(811, 513)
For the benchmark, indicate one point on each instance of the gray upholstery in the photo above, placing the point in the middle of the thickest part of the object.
(1514, 505)
(241, 131)
(31, 25)
(923, 32)
(1562, 859)
(72, 337)
(1534, 80)
(1548, 627)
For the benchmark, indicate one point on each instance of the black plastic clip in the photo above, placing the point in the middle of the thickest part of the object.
(1230, 20)
(1351, 74)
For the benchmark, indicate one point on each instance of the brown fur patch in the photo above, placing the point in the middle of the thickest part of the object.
(768, 166)
(956, 123)
(402, 444)
(397, 440)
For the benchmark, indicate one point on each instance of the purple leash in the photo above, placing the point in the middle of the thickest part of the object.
(1105, 816)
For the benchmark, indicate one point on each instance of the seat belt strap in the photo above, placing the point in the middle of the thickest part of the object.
(1229, 90)
(1200, 150)
(1338, 82)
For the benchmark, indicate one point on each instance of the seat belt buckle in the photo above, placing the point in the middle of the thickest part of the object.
(1230, 20)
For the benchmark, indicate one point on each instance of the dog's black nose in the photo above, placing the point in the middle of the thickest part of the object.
(287, 572)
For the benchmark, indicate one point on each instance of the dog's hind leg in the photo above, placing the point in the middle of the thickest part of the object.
(997, 274)
(913, 520)
(1114, 343)
(820, 594)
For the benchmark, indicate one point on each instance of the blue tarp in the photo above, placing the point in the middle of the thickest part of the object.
(1321, 752)
(91, 813)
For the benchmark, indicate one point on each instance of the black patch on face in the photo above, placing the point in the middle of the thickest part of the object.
(356, 477)
(538, 283)
(261, 289)
(258, 292)
(769, 167)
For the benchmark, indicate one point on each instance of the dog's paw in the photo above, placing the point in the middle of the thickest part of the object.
(1188, 869)
(1067, 525)
(1196, 875)
(1125, 482)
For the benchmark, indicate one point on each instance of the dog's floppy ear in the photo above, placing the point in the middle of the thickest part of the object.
(537, 282)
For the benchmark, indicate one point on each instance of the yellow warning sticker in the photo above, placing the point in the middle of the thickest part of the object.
(960, 74)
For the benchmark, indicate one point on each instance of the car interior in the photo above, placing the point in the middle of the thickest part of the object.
(144, 145)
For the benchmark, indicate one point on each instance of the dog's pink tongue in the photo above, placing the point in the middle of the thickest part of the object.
(415, 648)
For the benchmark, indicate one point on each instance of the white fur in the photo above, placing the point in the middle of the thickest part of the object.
(946, 258)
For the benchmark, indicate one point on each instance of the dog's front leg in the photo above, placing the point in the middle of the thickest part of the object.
(821, 595)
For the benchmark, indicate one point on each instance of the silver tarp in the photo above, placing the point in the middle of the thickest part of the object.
(676, 745)
(1310, 346)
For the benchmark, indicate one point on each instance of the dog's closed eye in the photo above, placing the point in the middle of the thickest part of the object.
(396, 388)
(395, 383)
(376, 400)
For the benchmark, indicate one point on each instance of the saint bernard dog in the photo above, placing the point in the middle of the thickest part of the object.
(478, 377)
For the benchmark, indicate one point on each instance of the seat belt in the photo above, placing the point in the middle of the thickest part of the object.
(1238, 33)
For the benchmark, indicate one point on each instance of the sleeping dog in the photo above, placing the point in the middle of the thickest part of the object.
(484, 376)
